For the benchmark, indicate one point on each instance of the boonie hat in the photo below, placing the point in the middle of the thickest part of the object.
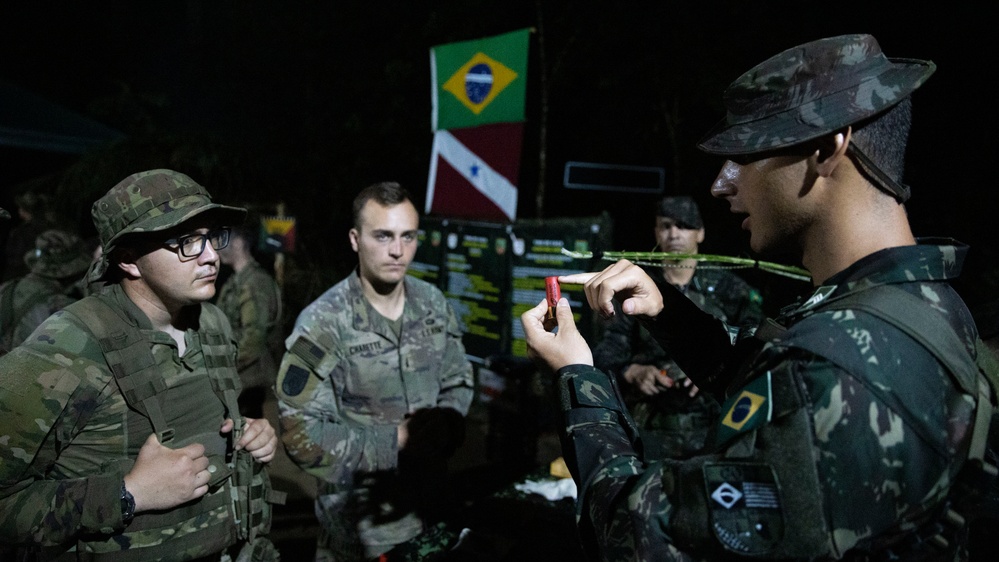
(57, 254)
(151, 201)
(811, 90)
(682, 209)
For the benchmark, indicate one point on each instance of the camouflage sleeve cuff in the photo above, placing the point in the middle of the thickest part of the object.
(101, 509)
(583, 386)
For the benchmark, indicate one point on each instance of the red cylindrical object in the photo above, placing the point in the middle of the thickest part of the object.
(552, 294)
(552, 291)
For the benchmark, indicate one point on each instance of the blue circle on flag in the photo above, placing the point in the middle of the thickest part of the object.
(741, 409)
(478, 82)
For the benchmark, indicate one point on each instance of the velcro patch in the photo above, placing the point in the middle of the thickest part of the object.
(746, 410)
(745, 505)
(309, 352)
(294, 380)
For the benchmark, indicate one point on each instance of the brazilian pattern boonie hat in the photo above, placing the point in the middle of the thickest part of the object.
(811, 90)
(151, 201)
(682, 209)
(57, 254)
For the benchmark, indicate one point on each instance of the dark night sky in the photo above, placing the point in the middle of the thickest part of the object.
(320, 98)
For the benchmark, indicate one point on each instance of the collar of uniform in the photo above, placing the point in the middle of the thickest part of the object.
(131, 313)
(931, 259)
(366, 318)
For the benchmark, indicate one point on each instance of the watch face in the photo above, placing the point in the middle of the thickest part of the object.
(127, 505)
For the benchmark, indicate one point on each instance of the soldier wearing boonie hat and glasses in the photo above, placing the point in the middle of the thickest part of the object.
(846, 421)
(123, 406)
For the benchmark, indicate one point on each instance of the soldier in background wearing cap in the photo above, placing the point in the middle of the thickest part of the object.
(843, 429)
(673, 417)
(122, 436)
(58, 261)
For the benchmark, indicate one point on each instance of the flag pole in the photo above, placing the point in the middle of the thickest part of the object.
(543, 120)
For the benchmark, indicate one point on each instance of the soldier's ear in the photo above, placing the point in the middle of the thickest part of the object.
(353, 238)
(125, 259)
(832, 151)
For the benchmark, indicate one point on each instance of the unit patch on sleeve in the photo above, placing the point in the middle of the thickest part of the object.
(745, 505)
(746, 410)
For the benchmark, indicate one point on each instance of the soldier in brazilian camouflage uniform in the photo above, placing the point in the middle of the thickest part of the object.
(672, 415)
(251, 300)
(839, 437)
(56, 263)
(121, 434)
(374, 388)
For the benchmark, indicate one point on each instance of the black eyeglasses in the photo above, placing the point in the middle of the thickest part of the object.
(192, 245)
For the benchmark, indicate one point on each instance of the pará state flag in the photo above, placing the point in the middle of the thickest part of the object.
(473, 172)
(479, 82)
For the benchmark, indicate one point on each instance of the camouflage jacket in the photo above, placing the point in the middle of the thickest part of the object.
(347, 381)
(25, 303)
(675, 423)
(251, 300)
(69, 437)
(839, 436)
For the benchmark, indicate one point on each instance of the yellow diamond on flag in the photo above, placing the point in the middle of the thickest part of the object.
(743, 409)
(477, 83)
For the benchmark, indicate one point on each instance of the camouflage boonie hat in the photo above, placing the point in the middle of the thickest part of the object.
(57, 254)
(811, 90)
(151, 201)
(682, 209)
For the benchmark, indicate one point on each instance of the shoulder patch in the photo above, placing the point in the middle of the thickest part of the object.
(294, 380)
(309, 352)
(746, 512)
(746, 410)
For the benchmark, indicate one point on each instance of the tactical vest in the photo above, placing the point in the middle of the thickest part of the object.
(927, 532)
(237, 506)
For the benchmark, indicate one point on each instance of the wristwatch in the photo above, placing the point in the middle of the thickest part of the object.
(127, 505)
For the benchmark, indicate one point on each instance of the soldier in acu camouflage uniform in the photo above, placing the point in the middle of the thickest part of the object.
(841, 435)
(374, 388)
(122, 438)
(56, 264)
(672, 415)
(251, 300)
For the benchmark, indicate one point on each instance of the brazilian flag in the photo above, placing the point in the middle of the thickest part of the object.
(479, 82)
(746, 410)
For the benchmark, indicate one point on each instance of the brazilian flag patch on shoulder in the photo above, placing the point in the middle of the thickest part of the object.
(746, 410)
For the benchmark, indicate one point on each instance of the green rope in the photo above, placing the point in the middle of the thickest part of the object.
(715, 261)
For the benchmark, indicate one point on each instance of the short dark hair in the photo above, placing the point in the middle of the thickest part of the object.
(386, 193)
(884, 138)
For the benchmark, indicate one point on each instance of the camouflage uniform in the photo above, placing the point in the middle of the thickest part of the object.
(251, 299)
(841, 437)
(80, 398)
(345, 384)
(27, 301)
(672, 423)
(837, 434)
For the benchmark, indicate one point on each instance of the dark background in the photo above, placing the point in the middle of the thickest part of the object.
(303, 103)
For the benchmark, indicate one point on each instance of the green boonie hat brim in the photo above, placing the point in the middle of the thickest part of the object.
(809, 91)
(184, 209)
(152, 201)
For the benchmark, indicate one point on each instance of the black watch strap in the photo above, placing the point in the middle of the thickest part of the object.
(127, 505)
